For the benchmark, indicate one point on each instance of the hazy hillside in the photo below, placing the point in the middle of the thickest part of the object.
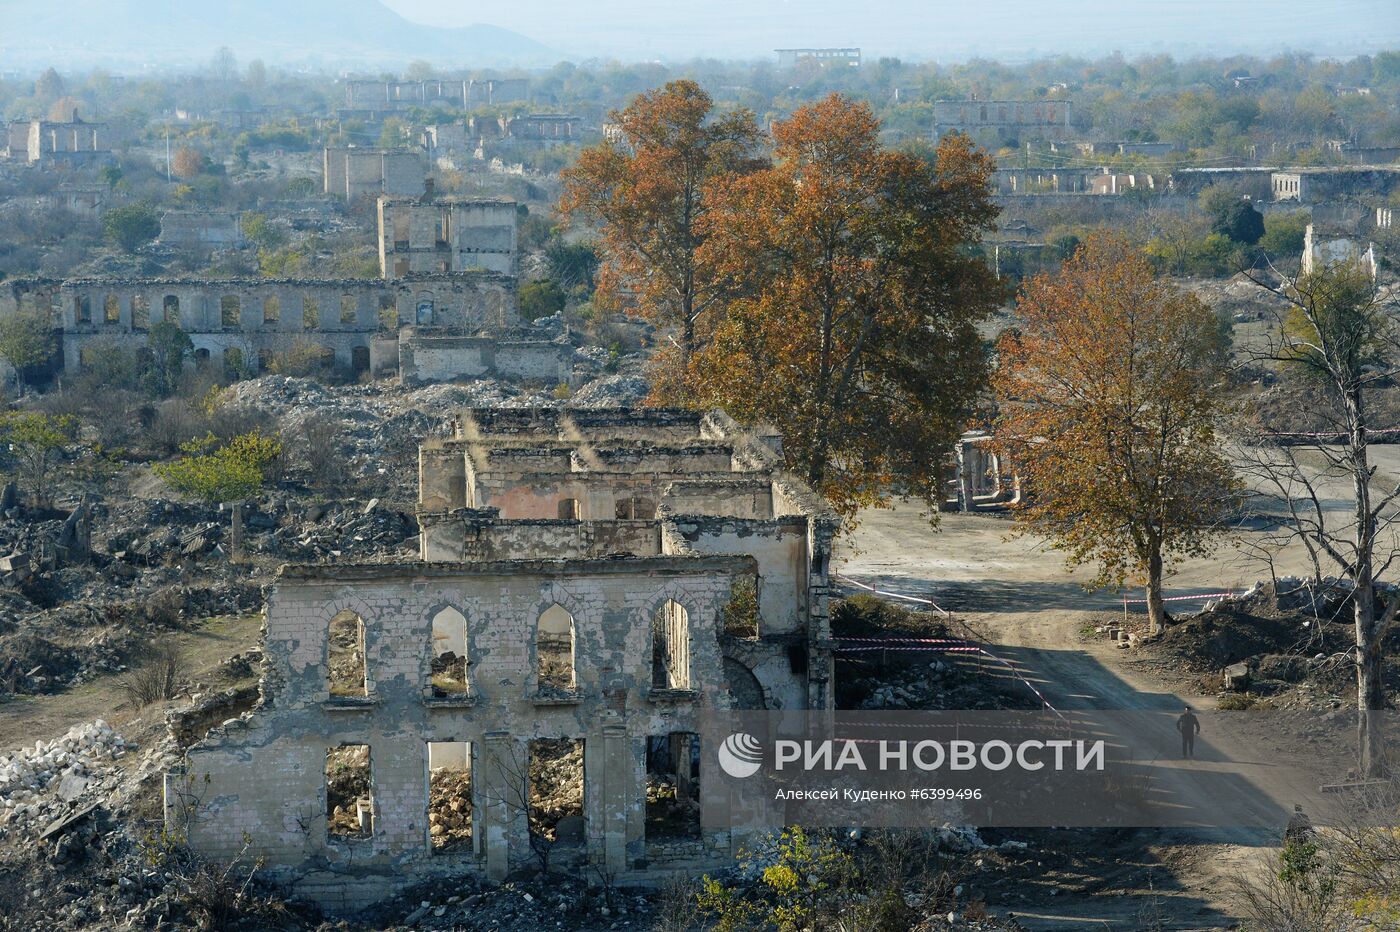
(329, 32)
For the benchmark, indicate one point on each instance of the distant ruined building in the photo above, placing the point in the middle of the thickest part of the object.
(444, 307)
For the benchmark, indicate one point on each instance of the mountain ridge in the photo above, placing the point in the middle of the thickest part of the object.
(348, 32)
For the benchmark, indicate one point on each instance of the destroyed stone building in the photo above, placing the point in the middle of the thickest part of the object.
(69, 142)
(446, 235)
(355, 172)
(1047, 119)
(444, 309)
(576, 608)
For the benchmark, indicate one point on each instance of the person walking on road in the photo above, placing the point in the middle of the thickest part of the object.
(1189, 726)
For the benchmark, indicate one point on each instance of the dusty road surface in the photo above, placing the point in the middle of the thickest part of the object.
(1016, 594)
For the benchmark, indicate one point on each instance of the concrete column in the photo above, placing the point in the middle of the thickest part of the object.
(965, 479)
(498, 792)
(616, 789)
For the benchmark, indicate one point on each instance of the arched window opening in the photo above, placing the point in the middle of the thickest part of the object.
(449, 670)
(230, 310)
(112, 309)
(346, 669)
(172, 309)
(670, 647)
(554, 647)
(140, 312)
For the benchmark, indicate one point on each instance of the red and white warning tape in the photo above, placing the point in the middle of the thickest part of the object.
(1184, 598)
(938, 645)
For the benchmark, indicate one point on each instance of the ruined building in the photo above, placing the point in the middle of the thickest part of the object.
(48, 142)
(353, 172)
(590, 583)
(444, 308)
(997, 120)
(446, 235)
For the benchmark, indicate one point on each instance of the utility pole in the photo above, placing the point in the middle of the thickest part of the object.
(167, 155)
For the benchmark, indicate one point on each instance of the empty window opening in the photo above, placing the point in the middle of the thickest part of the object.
(201, 356)
(233, 363)
(82, 309)
(172, 308)
(272, 310)
(349, 792)
(112, 309)
(635, 509)
(349, 309)
(449, 653)
(673, 786)
(310, 313)
(230, 310)
(554, 644)
(568, 509)
(556, 792)
(424, 316)
(450, 796)
(388, 313)
(265, 359)
(140, 312)
(346, 655)
(740, 613)
(670, 647)
(359, 359)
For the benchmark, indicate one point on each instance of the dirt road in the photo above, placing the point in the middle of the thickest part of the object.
(1016, 594)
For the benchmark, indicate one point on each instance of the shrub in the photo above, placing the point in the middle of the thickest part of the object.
(156, 678)
(231, 472)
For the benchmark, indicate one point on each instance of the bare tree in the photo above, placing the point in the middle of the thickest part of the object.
(1338, 336)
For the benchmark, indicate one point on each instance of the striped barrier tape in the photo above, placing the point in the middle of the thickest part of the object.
(974, 649)
(1185, 598)
(895, 595)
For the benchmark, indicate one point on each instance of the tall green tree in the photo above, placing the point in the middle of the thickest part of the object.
(26, 340)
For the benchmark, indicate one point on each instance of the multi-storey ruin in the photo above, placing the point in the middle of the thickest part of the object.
(590, 582)
(444, 308)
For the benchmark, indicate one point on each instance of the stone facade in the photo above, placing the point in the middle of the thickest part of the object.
(208, 229)
(996, 119)
(44, 142)
(353, 172)
(258, 317)
(669, 512)
(446, 235)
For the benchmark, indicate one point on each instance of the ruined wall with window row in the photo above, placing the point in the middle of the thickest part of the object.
(265, 774)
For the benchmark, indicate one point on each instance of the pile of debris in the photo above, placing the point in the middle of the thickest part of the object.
(1288, 642)
(51, 780)
(556, 789)
(450, 808)
(342, 530)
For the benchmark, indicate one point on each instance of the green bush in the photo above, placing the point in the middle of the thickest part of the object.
(231, 472)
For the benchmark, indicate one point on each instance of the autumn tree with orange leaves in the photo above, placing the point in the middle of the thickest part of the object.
(649, 193)
(1109, 394)
(852, 327)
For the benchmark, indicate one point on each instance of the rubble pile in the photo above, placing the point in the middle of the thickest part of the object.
(450, 808)
(53, 778)
(342, 530)
(1279, 645)
(556, 789)
(611, 391)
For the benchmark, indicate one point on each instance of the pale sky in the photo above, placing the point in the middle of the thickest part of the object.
(644, 29)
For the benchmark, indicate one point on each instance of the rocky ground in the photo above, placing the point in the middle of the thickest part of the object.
(1277, 646)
